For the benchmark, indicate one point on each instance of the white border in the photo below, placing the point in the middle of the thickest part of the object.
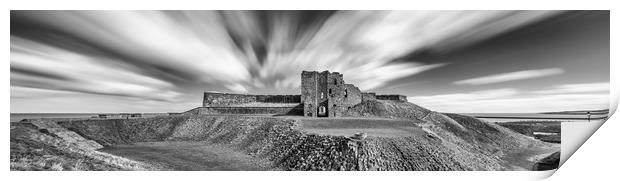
(596, 159)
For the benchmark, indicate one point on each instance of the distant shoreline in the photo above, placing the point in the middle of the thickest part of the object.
(16, 117)
(492, 117)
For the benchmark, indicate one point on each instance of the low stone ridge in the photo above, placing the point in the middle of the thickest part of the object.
(54, 129)
(33, 149)
(548, 163)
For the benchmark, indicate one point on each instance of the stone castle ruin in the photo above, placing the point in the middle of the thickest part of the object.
(323, 94)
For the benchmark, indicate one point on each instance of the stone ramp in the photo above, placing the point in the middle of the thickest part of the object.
(53, 128)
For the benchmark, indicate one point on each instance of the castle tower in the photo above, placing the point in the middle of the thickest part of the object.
(313, 93)
(325, 94)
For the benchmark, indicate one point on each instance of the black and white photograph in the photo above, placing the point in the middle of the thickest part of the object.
(303, 90)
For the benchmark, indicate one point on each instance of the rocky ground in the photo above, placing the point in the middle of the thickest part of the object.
(34, 149)
(422, 140)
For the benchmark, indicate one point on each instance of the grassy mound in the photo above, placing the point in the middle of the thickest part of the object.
(34, 149)
(440, 142)
(473, 140)
(278, 140)
(388, 109)
(289, 147)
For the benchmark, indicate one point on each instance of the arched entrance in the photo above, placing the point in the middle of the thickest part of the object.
(322, 112)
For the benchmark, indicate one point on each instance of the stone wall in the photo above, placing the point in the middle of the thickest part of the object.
(309, 83)
(369, 96)
(278, 98)
(214, 99)
(314, 91)
(296, 110)
(335, 92)
(323, 94)
(393, 97)
(322, 97)
(353, 96)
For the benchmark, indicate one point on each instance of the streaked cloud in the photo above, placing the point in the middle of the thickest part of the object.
(24, 99)
(511, 76)
(163, 55)
(556, 98)
(40, 66)
(242, 49)
(526, 104)
(465, 97)
(577, 88)
(18, 92)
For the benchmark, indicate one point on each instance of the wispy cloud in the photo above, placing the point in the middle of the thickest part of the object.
(556, 98)
(159, 55)
(24, 99)
(577, 88)
(248, 50)
(18, 92)
(531, 104)
(39, 66)
(511, 76)
(464, 98)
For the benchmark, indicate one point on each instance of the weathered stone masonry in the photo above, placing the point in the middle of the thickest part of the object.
(227, 99)
(393, 97)
(369, 96)
(294, 110)
(323, 94)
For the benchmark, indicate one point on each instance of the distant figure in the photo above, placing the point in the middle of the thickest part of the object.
(588, 116)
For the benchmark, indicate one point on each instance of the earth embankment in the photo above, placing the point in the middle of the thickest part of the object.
(281, 141)
(421, 140)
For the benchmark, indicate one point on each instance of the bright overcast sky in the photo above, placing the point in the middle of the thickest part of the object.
(450, 61)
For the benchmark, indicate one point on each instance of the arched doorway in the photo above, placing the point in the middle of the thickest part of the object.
(322, 111)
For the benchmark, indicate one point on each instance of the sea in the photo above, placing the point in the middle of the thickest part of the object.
(492, 117)
(16, 117)
(511, 117)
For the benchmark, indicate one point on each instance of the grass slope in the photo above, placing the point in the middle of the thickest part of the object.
(437, 142)
(285, 143)
(473, 140)
(32, 149)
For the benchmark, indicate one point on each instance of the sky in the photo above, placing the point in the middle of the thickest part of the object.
(448, 61)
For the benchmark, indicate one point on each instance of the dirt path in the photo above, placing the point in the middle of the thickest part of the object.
(378, 127)
(181, 155)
